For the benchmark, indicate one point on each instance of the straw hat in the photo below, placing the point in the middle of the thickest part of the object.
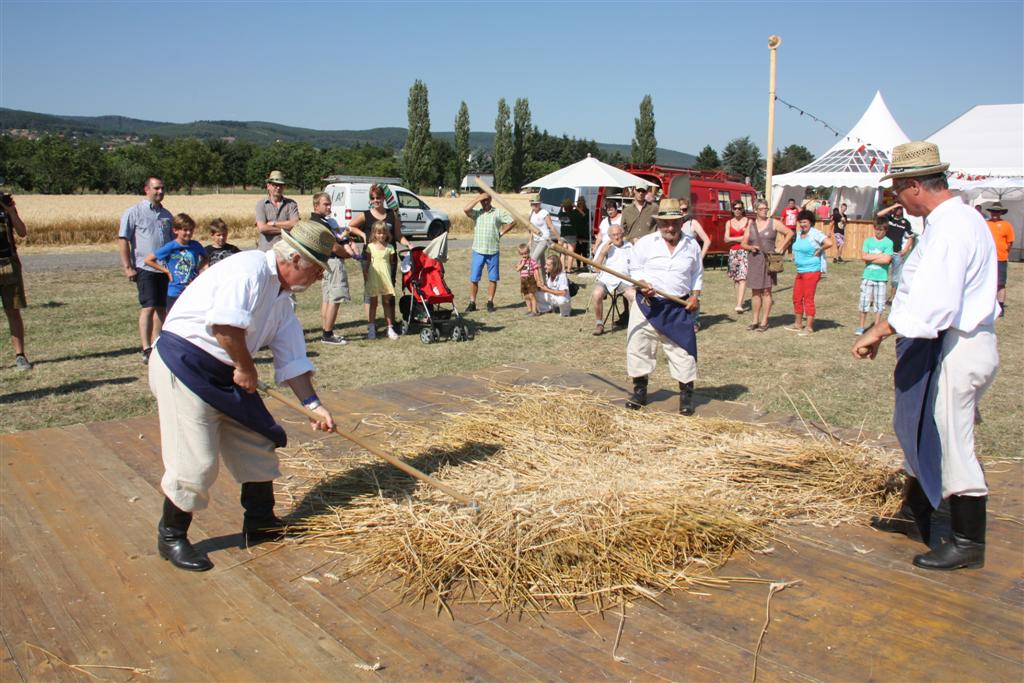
(276, 177)
(996, 208)
(313, 240)
(668, 210)
(913, 159)
(535, 199)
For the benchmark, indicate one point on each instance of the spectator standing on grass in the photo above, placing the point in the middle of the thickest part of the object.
(946, 357)
(615, 253)
(378, 211)
(529, 279)
(735, 229)
(12, 284)
(839, 231)
(377, 280)
(808, 246)
(901, 235)
(181, 259)
(219, 249)
(567, 232)
(759, 241)
(275, 213)
(877, 255)
(638, 216)
(204, 379)
(789, 217)
(334, 286)
(539, 243)
(611, 217)
(1002, 233)
(145, 227)
(584, 231)
(489, 226)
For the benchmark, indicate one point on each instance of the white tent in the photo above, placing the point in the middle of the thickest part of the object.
(589, 172)
(854, 165)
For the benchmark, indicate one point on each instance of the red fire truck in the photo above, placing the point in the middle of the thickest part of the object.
(711, 195)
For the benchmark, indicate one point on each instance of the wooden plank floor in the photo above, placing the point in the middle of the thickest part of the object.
(80, 578)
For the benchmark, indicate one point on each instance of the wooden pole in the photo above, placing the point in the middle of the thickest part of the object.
(562, 250)
(359, 441)
(773, 45)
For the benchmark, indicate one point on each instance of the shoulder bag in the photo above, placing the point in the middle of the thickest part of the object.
(775, 262)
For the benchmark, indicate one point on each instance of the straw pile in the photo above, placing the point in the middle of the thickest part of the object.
(583, 504)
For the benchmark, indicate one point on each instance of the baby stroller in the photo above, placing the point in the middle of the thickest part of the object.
(430, 304)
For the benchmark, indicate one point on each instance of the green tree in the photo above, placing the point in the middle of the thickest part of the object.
(792, 158)
(92, 172)
(461, 142)
(129, 167)
(445, 170)
(521, 141)
(416, 156)
(191, 163)
(503, 148)
(742, 158)
(645, 146)
(707, 160)
(16, 161)
(52, 165)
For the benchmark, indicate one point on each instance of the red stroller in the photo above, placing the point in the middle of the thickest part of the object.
(429, 303)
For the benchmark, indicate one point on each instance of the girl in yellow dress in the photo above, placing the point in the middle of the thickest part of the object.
(377, 279)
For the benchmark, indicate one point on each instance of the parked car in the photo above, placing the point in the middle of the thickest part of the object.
(350, 195)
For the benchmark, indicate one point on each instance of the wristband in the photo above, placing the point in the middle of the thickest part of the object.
(313, 405)
(310, 400)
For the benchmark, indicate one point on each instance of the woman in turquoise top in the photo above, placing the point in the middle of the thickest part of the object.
(809, 245)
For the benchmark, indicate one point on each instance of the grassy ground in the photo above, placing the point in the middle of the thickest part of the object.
(82, 336)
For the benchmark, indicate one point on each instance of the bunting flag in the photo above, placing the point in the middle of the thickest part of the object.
(872, 164)
(671, 320)
(860, 150)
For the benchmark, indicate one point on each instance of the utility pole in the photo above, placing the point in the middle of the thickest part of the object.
(773, 46)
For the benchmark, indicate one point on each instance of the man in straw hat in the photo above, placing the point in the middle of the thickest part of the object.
(204, 380)
(275, 213)
(946, 358)
(670, 262)
(1002, 233)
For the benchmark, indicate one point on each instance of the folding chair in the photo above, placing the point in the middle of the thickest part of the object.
(618, 311)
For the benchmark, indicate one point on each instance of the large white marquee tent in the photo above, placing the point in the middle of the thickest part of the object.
(854, 166)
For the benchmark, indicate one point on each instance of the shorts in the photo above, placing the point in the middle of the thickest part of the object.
(335, 282)
(476, 267)
(569, 239)
(840, 239)
(619, 288)
(872, 296)
(1001, 274)
(14, 294)
(152, 288)
(895, 270)
(527, 285)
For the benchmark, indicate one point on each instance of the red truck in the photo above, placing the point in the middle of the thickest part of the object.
(711, 194)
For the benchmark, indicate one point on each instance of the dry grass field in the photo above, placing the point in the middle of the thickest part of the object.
(64, 220)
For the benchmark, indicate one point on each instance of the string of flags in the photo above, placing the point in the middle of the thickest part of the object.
(860, 150)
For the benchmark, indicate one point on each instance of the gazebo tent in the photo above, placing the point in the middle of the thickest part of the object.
(854, 166)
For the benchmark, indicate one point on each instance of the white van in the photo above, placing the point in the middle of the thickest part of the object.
(350, 196)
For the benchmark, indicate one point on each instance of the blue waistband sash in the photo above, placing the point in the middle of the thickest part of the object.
(670, 320)
(913, 420)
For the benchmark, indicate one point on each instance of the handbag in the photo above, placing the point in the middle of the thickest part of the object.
(574, 289)
(775, 261)
(8, 273)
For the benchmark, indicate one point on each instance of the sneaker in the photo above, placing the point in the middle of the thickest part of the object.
(371, 331)
(859, 331)
(470, 307)
(490, 307)
(392, 335)
(599, 329)
(146, 354)
(21, 363)
(333, 339)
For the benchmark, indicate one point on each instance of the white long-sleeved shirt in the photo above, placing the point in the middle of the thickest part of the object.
(678, 272)
(243, 291)
(949, 279)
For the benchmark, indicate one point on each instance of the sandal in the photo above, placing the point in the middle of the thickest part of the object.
(753, 327)
(762, 328)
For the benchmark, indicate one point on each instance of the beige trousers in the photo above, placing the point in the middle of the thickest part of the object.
(642, 342)
(193, 434)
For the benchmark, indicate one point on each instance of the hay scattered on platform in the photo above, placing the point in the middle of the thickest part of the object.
(581, 501)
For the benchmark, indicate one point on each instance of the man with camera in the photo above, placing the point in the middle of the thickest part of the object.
(12, 286)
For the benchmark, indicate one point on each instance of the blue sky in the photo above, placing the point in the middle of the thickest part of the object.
(583, 65)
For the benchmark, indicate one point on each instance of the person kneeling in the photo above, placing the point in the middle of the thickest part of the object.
(554, 293)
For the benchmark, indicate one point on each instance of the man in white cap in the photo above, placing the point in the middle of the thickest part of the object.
(946, 358)
(204, 379)
(670, 262)
(274, 214)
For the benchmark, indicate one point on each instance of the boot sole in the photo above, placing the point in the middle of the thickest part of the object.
(163, 555)
(968, 565)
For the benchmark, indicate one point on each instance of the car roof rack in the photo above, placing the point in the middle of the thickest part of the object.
(361, 179)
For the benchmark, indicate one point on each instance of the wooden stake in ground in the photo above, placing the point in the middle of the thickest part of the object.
(773, 46)
(359, 441)
(562, 250)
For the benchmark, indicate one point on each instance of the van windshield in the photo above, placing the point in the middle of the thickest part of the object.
(554, 196)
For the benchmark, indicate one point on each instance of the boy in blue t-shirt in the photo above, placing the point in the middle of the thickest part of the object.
(181, 258)
(877, 254)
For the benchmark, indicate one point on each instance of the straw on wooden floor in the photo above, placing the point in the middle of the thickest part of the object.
(583, 504)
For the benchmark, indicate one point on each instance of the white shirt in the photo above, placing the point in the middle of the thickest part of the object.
(243, 291)
(677, 273)
(618, 259)
(949, 279)
(559, 282)
(605, 227)
(539, 219)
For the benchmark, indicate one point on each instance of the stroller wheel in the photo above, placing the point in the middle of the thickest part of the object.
(427, 335)
(405, 328)
(457, 333)
(467, 332)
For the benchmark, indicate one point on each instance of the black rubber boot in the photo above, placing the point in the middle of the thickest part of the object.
(914, 518)
(260, 524)
(686, 398)
(966, 547)
(172, 540)
(638, 399)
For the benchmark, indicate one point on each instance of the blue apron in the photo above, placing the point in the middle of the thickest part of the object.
(670, 320)
(913, 420)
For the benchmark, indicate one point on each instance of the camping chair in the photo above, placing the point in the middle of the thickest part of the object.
(618, 311)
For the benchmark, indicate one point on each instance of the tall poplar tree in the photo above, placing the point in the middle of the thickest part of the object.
(503, 148)
(417, 156)
(461, 141)
(645, 145)
(522, 128)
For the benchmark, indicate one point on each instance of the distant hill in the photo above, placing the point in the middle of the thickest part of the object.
(259, 132)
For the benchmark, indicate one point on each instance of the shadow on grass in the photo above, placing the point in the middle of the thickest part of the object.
(703, 395)
(114, 353)
(708, 321)
(71, 388)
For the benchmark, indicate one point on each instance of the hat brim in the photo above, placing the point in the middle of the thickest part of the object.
(669, 216)
(304, 250)
(916, 172)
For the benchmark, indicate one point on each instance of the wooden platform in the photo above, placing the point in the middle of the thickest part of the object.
(82, 580)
